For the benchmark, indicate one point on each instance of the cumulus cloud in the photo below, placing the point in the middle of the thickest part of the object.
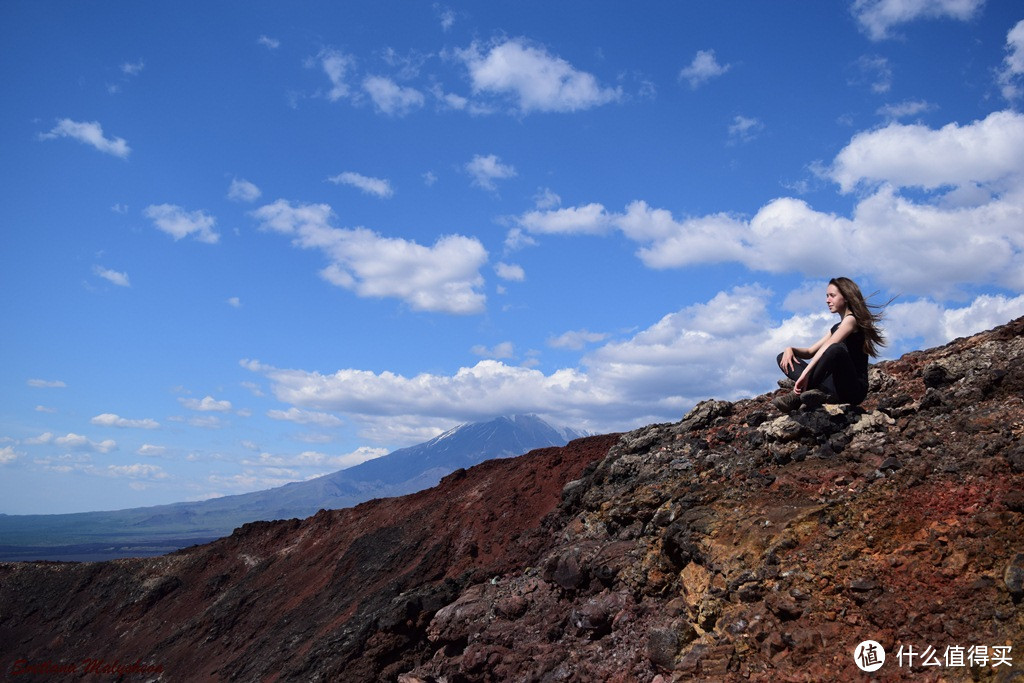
(378, 187)
(268, 42)
(112, 276)
(206, 404)
(444, 277)
(983, 152)
(112, 420)
(390, 98)
(932, 324)
(151, 450)
(932, 246)
(484, 170)
(591, 219)
(703, 68)
(711, 349)
(243, 191)
(878, 17)
(722, 348)
(179, 223)
(535, 80)
(89, 133)
(1013, 64)
(8, 455)
(78, 442)
(510, 271)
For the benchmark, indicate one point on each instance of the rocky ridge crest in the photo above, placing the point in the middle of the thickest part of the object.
(739, 544)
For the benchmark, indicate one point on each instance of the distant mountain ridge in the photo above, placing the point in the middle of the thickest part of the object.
(159, 529)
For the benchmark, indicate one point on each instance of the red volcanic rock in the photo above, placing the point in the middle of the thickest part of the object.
(344, 595)
(738, 544)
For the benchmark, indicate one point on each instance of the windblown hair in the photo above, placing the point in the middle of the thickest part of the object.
(868, 316)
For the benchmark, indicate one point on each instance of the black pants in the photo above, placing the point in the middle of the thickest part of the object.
(834, 374)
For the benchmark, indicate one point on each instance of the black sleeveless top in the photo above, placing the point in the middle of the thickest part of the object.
(855, 345)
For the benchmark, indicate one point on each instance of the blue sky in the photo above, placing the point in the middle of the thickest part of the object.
(247, 243)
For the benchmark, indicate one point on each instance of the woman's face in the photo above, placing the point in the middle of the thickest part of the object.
(834, 299)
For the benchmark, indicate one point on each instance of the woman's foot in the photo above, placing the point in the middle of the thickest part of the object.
(788, 402)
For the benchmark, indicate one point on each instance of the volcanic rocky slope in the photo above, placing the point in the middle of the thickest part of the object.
(737, 544)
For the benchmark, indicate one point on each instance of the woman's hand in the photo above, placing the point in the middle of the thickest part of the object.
(788, 359)
(801, 384)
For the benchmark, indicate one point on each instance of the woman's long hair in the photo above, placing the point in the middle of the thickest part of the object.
(867, 319)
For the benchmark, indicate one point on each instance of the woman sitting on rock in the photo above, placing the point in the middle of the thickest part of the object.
(835, 369)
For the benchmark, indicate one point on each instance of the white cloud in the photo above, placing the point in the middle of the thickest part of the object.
(589, 220)
(379, 187)
(234, 302)
(315, 459)
(703, 68)
(8, 455)
(917, 246)
(268, 42)
(243, 191)
(510, 271)
(336, 65)
(391, 98)
(45, 437)
(179, 223)
(133, 68)
(206, 404)
(517, 239)
(1013, 64)
(46, 384)
(80, 443)
(137, 471)
(446, 17)
(723, 348)
(112, 420)
(900, 110)
(501, 351)
(546, 199)
(486, 169)
(982, 152)
(151, 450)
(119, 279)
(875, 72)
(878, 17)
(934, 324)
(90, 133)
(744, 129)
(536, 80)
(576, 339)
(306, 417)
(442, 278)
